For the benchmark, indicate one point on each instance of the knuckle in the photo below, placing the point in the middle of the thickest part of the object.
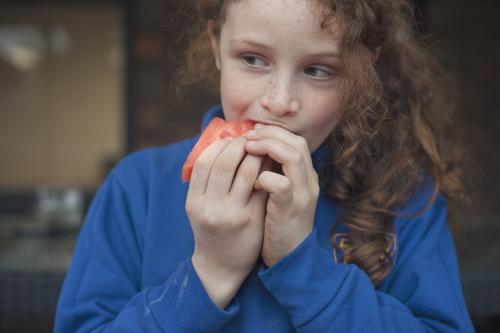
(188, 207)
(284, 185)
(315, 191)
(307, 199)
(222, 220)
(231, 225)
(211, 225)
(211, 220)
(191, 207)
(316, 178)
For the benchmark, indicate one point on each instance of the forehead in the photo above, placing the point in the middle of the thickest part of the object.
(301, 19)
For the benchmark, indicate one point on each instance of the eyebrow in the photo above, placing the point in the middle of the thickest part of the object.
(236, 41)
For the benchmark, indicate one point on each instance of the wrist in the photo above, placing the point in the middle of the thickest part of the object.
(220, 285)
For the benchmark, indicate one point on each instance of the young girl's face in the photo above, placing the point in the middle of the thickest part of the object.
(278, 67)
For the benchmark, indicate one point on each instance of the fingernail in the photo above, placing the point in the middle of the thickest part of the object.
(251, 133)
(251, 143)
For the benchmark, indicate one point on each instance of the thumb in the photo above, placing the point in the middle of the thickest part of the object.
(267, 165)
(259, 196)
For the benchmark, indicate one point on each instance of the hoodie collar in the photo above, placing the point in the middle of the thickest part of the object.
(214, 111)
(319, 157)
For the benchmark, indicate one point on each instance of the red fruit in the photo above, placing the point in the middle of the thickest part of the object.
(217, 129)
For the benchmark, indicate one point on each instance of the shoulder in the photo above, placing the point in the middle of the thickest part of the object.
(141, 176)
(421, 223)
(423, 202)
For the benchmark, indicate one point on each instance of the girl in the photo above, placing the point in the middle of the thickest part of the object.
(329, 217)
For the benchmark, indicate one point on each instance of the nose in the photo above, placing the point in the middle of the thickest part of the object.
(280, 98)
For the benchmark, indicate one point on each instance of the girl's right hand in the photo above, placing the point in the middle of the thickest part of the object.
(226, 215)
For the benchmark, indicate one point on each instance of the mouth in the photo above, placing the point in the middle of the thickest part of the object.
(271, 123)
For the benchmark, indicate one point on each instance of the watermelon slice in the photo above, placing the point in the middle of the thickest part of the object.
(217, 129)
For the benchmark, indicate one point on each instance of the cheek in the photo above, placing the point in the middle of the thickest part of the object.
(322, 119)
(326, 108)
(322, 124)
(236, 95)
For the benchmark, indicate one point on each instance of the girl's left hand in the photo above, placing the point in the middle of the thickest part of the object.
(292, 196)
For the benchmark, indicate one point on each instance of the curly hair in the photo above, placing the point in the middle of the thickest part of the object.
(398, 118)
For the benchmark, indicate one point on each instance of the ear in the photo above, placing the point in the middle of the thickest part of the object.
(214, 42)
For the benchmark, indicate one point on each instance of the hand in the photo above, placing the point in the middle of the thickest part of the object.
(226, 215)
(292, 196)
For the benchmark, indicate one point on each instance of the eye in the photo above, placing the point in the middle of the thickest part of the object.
(319, 72)
(253, 61)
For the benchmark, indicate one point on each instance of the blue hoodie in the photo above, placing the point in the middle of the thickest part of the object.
(131, 270)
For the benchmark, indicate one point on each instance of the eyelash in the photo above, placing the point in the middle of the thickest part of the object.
(246, 57)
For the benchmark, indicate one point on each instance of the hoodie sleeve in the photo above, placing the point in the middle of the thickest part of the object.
(102, 290)
(421, 294)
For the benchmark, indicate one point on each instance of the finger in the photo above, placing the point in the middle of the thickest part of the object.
(203, 164)
(258, 198)
(278, 186)
(285, 136)
(225, 166)
(292, 161)
(246, 175)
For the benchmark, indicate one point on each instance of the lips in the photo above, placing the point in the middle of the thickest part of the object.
(270, 123)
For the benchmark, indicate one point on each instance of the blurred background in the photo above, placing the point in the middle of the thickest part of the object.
(82, 83)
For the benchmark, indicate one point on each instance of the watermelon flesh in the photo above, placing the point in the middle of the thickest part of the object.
(217, 129)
